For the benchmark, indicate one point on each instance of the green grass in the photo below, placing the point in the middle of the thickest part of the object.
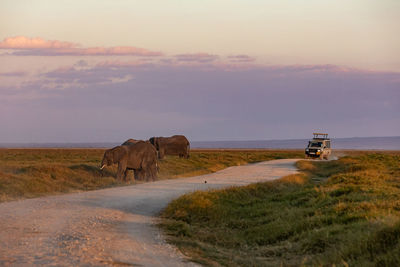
(26, 173)
(337, 213)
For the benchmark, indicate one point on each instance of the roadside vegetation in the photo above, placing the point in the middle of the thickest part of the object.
(336, 213)
(26, 173)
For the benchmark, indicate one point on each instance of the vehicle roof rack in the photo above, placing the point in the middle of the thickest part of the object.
(320, 135)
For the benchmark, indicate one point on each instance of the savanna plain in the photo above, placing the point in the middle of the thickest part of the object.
(27, 173)
(344, 212)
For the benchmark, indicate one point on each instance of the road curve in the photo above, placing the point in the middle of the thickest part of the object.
(110, 227)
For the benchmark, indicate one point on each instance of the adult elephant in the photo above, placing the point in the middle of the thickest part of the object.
(175, 145)
(141, 174)
(140, 156)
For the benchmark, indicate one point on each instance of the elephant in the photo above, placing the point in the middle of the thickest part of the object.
(174, 145)
(140, 157)
(140, 174)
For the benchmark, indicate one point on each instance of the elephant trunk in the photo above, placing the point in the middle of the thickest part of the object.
(103, 163)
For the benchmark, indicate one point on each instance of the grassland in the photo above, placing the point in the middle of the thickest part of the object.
(26, 173)
(337, 213)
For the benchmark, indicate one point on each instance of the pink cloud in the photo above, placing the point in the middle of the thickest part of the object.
(198, 57)
(25, 46)
(22, 42)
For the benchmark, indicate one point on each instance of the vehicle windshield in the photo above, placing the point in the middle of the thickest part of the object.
(315, 144)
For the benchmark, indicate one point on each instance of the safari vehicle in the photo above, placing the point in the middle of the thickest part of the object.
(319, 146)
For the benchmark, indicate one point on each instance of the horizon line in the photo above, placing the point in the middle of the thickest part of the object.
(236, 140)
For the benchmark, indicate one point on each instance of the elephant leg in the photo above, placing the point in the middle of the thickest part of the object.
(150, 174)
(161, 154)
(146, 175)
(126, 175)
(137, 173)
(121, 170)
(152, 171)
(142, 175)
(119, 173)
(145, 170)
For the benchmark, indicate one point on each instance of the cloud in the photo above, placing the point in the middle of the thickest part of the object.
(82, 74)
(204, 95)
(198, 57)
(253, 102)
(81, 63)
(313, 68)
(121, 64)
(241, 58)
(13, 74)
(22, 42)
(25, 46)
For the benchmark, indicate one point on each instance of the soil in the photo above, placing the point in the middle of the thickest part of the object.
(110, 227)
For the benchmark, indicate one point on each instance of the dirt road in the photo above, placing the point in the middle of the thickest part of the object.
(112, 226)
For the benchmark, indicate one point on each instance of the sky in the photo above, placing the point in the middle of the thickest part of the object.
(106, 71)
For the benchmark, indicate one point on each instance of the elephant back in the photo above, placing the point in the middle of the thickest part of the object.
(130, 141)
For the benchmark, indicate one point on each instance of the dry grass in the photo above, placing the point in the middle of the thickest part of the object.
(338, 213)
(26, 173)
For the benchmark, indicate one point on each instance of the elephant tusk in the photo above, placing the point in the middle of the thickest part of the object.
(102, 167)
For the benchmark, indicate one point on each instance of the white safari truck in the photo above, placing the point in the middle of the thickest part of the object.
(319, 146)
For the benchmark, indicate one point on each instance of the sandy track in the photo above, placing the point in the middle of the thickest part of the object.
(111, 226)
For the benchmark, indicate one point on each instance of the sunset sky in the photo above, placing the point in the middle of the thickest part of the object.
(98, 71)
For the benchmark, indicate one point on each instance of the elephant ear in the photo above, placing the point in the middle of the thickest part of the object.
(152, 141)
(118, 153)
(157, 142)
